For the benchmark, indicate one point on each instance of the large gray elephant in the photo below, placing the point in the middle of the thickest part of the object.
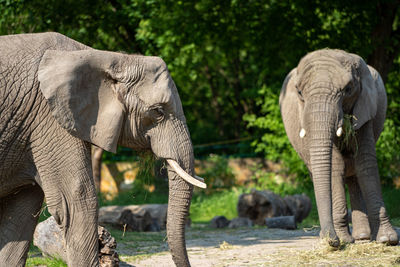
(58, 96)
(333, 107)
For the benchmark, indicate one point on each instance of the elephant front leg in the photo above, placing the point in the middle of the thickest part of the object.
(361, 229)
(339, 205)
(19, 213)
(71, 198)
(368, 179)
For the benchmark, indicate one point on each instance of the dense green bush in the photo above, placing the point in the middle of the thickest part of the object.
(229, 58)
(274, 144)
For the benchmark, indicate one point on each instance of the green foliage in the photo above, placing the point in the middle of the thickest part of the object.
(274, 143)
(391, 198)
(229, 58)
(148, 186)
(205, 207)
(274, 182)
(219, 175)
(388, 145)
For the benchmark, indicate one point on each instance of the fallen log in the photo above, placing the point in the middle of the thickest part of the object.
(282, 222)
(259, 205)
(148, 217)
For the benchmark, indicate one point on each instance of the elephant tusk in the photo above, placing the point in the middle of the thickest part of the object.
(185, 176)
(339, 132)
(302, 133)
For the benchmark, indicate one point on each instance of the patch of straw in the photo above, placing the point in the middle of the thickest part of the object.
(360, 254)
(225, 245)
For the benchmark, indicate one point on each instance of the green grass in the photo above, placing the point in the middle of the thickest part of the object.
(49, 262)
(391, 197)
(205, 207)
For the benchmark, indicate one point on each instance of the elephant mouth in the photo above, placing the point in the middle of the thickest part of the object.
(196, 180)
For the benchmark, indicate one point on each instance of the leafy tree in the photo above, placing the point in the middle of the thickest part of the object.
(229, 57)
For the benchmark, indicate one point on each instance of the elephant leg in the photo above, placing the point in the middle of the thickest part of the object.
(361, 229)
(19, 213)
(66, 176)
(339, 205)
(368, 178)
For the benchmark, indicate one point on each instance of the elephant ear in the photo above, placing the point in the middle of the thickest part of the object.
(365, 107)
(289, 92)
(82, 95)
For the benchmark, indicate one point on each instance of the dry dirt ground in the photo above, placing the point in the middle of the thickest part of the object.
(255, 247)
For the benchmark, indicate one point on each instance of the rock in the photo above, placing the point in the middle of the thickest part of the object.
(49, 239)
(138, 222)
(148, 217)
(219, 222)
(240, 222)
(282, 222)
(299, 206)
(259, 205)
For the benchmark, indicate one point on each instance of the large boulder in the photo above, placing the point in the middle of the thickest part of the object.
(219, 222)
(148, 217)
(298, 206)
(259, 205)
(49, 239)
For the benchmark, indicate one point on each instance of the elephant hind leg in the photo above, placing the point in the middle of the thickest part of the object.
(361, 229)
(19, 214)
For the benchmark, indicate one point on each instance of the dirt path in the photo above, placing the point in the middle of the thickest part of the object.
(254, 247)
(242, 247)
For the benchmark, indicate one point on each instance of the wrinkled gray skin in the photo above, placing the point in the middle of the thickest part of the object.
(56, 97)
(315, 96)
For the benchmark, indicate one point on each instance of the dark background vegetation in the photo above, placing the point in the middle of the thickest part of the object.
(229, 58)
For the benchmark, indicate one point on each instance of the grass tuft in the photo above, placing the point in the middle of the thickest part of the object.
(225, 245)
(349, 134)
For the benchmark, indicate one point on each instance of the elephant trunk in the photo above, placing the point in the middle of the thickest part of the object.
(180, 150)
(180, 194)
(322, 122)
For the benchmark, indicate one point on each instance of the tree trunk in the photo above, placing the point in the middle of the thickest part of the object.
(385, 41)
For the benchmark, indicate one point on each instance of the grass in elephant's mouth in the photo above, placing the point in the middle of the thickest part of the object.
(349, 134)
(359, 254)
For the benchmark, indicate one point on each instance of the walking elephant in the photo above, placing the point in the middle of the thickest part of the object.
(58, 96)
(333, 107)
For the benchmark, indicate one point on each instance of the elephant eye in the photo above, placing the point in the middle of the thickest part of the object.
(300, 94)
(157, 114)
(347, 89)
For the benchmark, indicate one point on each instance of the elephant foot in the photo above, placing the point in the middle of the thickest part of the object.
(345, 236)
(330, 236)
(361, 229)
(387, 235)
(362, 235)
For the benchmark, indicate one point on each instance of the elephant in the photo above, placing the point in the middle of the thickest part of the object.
(58, 97)
(333, 107)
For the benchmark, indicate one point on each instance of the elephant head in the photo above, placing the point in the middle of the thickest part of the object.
(111, 99)
(326, 85)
